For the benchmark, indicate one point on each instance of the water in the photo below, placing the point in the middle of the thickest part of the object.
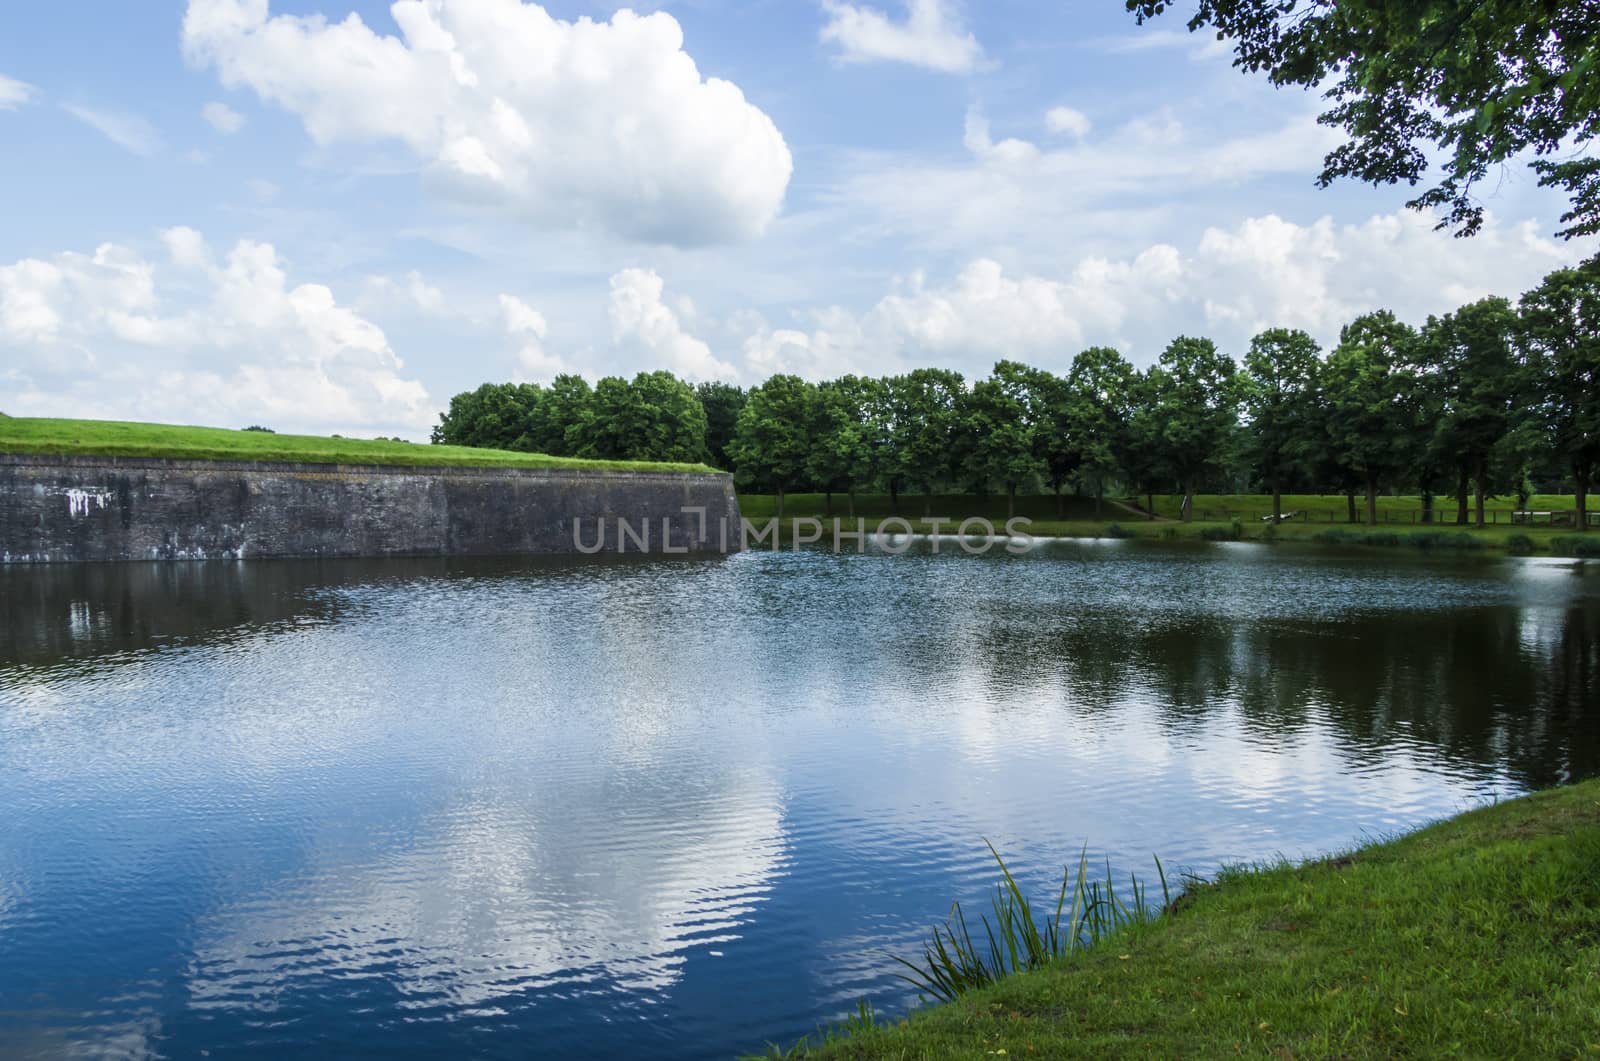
(681, 808)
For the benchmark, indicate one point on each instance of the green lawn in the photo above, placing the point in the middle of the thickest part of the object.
(113, 438)
(1119, 519)
(1324, 508)
(1475, 937)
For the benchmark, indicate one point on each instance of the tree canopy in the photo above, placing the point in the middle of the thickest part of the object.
(1469, 84)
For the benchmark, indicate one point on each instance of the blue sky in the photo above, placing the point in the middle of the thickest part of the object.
(225, 211)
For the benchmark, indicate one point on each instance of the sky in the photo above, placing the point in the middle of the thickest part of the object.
(331, 215)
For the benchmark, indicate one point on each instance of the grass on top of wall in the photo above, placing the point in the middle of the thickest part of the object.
(114, 438)
(1475, 937)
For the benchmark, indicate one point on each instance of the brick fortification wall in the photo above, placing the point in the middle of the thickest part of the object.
(73, 509)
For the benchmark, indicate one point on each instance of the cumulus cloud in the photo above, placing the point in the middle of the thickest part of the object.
(187, 338)
(931, 36)
(128, 131)
(1067, 121)
(601, 125)
(527, 326)
(223, 118)
(642, 322)
(1235, 281)
(14, 93)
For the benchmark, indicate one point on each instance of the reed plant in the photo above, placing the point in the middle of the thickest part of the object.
(1018, 939)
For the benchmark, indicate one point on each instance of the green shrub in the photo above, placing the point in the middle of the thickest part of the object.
(1170, 534)
(1576, 545)
(1117, 530)
(1445, 540)
(1521, 545)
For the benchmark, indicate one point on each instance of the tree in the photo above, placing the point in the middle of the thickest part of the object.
(844, 442)
(1143, 452)
(1000, 422)
(928, 405)
(770, 444)
(1469, 84)
(1100, 391)
(1476, 366)
(555, 423)
(1057, 444)
(1371, 405)
(1559, 330)
(495, 416)
(655, 416)
(722, 402)
(1278, 389)
(1198, 407)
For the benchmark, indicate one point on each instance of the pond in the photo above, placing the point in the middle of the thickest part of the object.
(681, 808)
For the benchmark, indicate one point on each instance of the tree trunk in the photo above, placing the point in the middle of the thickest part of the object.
(1149, 506)
(1461, 499)
(1277, 503)
(1427, 507)
(827, 504)
(1058, 501)
(850, 503)
(1188, 500)
(894, 494)
(1581, 496)
(1350, 506)
(1478, 482)
(1011, 500)
(927, 505)
(1099, 496)
(780, 506)
(1372, 500)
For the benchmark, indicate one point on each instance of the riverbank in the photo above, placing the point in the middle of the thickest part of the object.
(1120, 519)
(1478, 936)
(114, 438)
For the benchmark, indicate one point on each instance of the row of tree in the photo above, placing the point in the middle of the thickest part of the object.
(1485, 400)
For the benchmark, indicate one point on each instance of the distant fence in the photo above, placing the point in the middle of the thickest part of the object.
(1434, 517)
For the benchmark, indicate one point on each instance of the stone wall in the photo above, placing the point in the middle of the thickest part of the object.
(73, 509)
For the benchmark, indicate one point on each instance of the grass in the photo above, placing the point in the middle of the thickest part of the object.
(114, 438)
(1333, 508)
(1475, 937)
(1118, 519)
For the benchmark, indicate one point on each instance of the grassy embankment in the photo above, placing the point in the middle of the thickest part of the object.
(1122, 519)
(112, 438)
(1475, 937)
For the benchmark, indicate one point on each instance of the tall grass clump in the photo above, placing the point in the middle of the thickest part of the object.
(1018, 940)
(1521, 545)
(1231, 533)
(1576, 545)
(1117, 530)
(1449, 540)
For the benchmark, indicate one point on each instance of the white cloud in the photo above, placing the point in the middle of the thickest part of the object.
(641, 321)
(931, 36)
(264, 190)
(14, 93)
(1067, 121)
(527, 325)
(112, 334)
(223, 118)
(128, 131)
(1263, 272)
(600, 125)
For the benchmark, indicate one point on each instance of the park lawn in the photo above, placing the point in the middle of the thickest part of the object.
(1118, 519)
(1324, 508)
(1475, 937)
(114, 438)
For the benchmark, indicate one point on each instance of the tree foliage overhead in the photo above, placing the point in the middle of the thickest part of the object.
(1469, 84)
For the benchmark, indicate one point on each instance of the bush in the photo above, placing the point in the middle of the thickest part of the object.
(1117, 530)
(1521, 545)
(258, 427)
(1447, 540)
(1170, 534)
(1576, 545)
